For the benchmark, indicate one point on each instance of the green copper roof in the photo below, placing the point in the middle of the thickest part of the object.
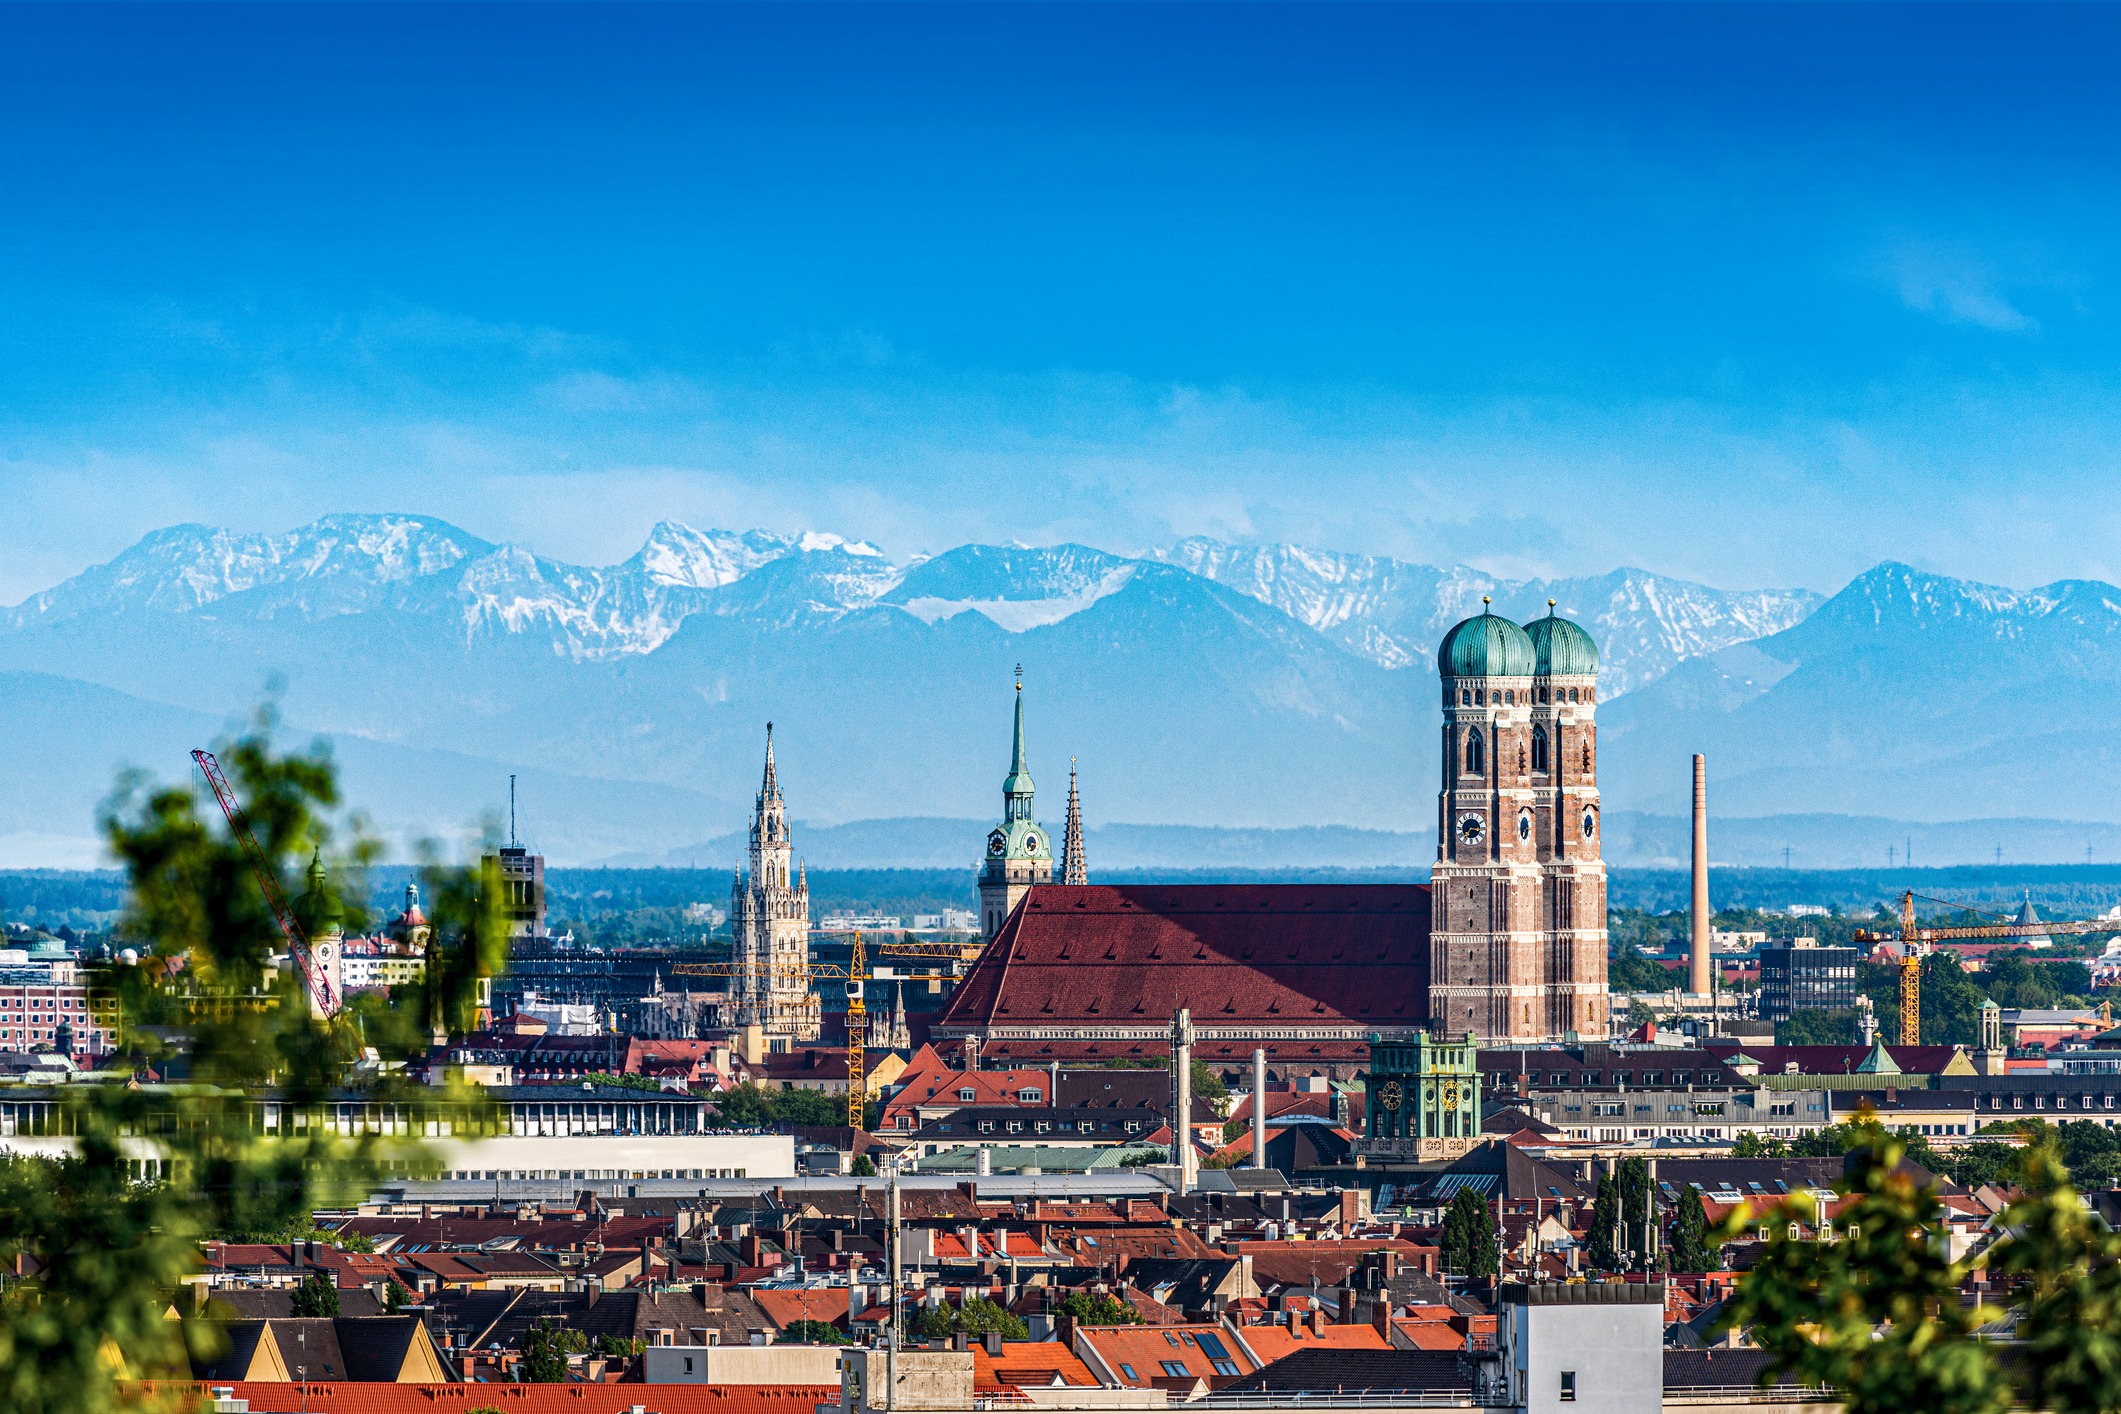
(1485, 646)
(1018, 781)
(1561, 648)
(1878, 1062)
(318, 908)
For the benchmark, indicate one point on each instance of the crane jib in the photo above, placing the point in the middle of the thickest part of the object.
(321, 992)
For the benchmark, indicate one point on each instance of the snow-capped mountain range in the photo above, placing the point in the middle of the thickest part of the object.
(1394, 612)
(1266, 686)
(1388, 611)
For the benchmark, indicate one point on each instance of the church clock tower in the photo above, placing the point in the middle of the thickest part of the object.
(1517, 945)
(1018, 852)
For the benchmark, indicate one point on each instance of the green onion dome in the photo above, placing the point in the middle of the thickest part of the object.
(1561, 648)
(1485, 646)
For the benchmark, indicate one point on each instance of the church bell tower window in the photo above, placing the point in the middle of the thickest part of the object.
(1476, 758)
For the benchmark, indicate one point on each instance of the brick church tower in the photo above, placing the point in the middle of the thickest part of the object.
(1517, 947)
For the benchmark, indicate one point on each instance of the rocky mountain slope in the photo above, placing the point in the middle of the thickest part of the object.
(1207, 687)
(1394, 612)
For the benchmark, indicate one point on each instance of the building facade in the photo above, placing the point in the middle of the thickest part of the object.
(1806, 977)
(1424, 1097)
(1018, 852)
(769, 911)
(522, 892)
(1518, 947)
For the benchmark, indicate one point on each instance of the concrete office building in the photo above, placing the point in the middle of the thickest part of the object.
(1802, 976)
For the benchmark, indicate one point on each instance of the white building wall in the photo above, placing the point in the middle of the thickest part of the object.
(1613, 1351)
(620, 1156)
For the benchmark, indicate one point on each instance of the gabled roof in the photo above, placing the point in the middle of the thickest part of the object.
(1878, 1062)
(784, 1308)
(1496, 1169)
(1282, 955)
(1028, 1364)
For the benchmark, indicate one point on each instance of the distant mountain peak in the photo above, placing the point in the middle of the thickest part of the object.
(675, 553)
(1394, 612)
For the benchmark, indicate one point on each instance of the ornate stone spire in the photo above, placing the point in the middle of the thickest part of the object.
(770, 787)
(1074, 870)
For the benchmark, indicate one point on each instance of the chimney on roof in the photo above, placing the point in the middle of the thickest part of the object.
(993, 1341)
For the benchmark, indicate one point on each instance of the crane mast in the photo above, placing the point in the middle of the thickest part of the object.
(1916, 941)
(857, 1037)
(323, 998)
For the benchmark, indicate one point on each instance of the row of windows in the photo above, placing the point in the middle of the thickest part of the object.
(1619, 1107)
(464, 1175)
(1592, 1079)
(1043, 1126)
(2085, 1102)
(1507, 697)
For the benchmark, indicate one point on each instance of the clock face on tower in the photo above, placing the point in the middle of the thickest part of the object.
(1031, 842)
(997, 842)
(1590, 824)
(1470, 829)
(1524, 827)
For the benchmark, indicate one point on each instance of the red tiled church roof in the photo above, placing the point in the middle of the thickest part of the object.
(1259, 955)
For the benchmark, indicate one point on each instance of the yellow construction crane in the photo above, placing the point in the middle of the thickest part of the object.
(854, 974)
(953, 952)
(1915, 941)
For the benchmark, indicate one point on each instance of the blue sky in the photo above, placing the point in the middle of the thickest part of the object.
(1754, 296)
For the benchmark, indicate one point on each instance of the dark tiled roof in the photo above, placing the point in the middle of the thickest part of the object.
(1343, 1371)
(260, 1303)
(1717, 1369)
(1253, 954)
(1496, 1169)
(1836, 1060)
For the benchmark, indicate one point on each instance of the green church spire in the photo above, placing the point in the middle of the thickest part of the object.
(1016, 786)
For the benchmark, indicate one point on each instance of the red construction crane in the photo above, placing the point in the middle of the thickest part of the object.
(323, 996)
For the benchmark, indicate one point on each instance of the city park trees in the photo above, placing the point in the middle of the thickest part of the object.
(100, 1238)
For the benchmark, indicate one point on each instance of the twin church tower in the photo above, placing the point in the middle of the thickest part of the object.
(1517, 941)
(1517, 938)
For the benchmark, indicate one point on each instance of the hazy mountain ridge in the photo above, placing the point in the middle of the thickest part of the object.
(351, 564)
(1907, 694)
(1394, 612)
(1191, 699)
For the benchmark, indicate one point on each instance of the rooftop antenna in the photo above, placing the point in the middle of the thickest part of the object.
(511, 811)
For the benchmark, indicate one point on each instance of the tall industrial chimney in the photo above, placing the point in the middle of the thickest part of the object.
(1259, 1107)
(1698, 952)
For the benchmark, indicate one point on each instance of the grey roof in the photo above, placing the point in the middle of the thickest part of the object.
(1718, 1369)
(260, 1303)
(1341, 1371)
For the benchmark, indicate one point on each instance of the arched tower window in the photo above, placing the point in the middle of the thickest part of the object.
(1539, 748)
(1476, 756)
(1465, 697)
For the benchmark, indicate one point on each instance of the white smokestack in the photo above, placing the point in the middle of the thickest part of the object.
(1698, 952)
